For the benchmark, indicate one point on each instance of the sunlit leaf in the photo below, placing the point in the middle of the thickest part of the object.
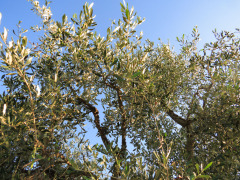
(90, 6)
(116, 29)
(127, 14)
(5, 34)
(24, 41)
(197, 167)
(64, 18)
(29, 60)
(210, 164)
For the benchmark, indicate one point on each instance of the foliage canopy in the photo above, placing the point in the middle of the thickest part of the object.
(165, 113)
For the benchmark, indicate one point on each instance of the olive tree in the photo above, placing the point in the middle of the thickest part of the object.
(164, 113)
(199, 90)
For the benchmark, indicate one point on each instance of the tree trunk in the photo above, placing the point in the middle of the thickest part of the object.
(190, 148)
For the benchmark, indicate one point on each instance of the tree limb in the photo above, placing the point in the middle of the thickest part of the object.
(179, 120)
(124, 119)
(95, 112)
(121, 107)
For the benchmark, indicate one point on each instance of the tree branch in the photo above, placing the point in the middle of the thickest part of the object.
(175, 117)
(123, 123)
(178, 119)
(121, 107)
(95, 112)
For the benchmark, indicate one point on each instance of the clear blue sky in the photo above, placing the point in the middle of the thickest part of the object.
(165, 19)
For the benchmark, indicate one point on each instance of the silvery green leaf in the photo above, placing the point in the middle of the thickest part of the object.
(28, 61)
(4, 109)
(90, 6)
(38, 91)
(5, 34)
(117, 28)
(10, 44)
(24, 41)
(124, 3)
